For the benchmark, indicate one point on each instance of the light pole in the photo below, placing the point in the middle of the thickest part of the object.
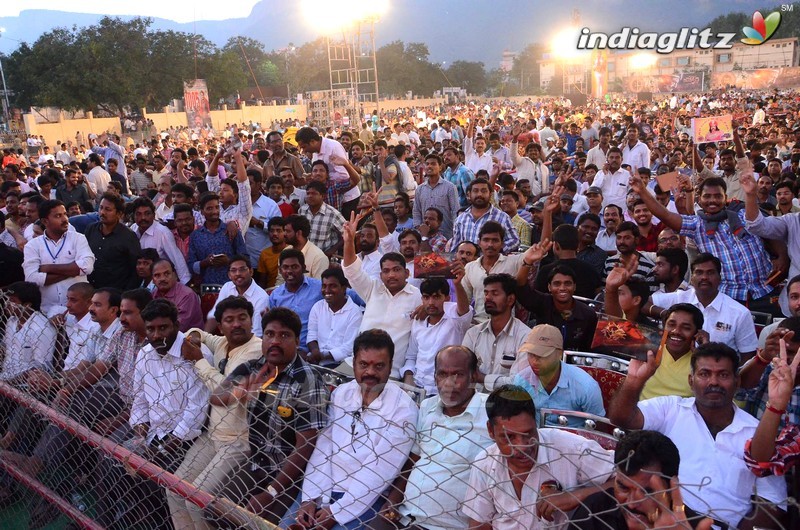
(6, 104)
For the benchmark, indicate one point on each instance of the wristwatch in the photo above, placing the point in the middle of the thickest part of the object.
(272, 491)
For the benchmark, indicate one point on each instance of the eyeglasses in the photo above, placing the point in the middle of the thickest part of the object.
(665, 239)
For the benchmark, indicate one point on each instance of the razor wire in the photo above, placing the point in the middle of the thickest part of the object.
(83, 460)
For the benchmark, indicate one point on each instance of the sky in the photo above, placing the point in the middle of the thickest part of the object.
(473, 30)
(179, 10)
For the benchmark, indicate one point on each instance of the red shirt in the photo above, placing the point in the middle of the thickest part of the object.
(649, 243)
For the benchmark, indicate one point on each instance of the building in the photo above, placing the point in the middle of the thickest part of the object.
(625, 65)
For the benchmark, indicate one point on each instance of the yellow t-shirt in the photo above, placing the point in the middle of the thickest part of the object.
(671, 377)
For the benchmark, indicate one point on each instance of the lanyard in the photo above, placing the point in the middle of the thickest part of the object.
(60, 248)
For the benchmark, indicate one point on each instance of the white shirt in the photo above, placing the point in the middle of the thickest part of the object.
(254, 294)
(79, 333)
(596, 156)
(725, 319)
(29, 346)
(336, 173)
(99, 179)
(636, 156)
(371, 263)
(606, 241)
(475, 273)
(362, 450)
(447, 446)
(614, 187)
(496, 353)
(334, 331)
(160, 238)
(473, 161)
(396, 323)
(41, 250)
(569, 459)
(168, 394)
(714, 477)
(427, 339)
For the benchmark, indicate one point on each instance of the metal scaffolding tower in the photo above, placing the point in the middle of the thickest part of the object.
(353, 65)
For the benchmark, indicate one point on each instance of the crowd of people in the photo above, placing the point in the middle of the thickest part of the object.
(195, 297)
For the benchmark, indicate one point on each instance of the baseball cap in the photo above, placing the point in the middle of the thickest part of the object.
(542, 341)
(567, 197)
(594, 189)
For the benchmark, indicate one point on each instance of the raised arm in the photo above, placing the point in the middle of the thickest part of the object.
(670, 219)
(748, 183)
(352, 172)
(615, 279)
(624, 410)
(779, 390)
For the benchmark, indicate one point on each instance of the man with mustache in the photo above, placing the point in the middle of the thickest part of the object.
(223, 446)
(607, 238)
(710, 432)
(167, 414)
(451, 432)
(165, 277)
(241, 284)
(470, 222)
(285, 401)
(58, 258)
(726, 320)
(529, 478)
(646, 470)
(371, 419)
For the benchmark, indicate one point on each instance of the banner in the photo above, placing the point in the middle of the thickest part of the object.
(787, 77)
(195, 101)
(685, 82)
(599, 73)
(712, 129)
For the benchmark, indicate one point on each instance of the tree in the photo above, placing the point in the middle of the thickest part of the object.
(468, 75)
(525, 70)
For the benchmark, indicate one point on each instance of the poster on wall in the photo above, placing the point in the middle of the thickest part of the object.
(762, 78)
(195, 101)
(684, 82)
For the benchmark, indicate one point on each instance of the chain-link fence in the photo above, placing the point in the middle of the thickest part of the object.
(231, 445)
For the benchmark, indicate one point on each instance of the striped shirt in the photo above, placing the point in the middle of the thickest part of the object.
(745, 262)
(467, 228)
(442, 196)
(644, 268)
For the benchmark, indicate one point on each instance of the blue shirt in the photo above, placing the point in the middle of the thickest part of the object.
(461, 176)
(203, 243)
(467, 228)
(300, 301)
(264, 209)
(576, 390)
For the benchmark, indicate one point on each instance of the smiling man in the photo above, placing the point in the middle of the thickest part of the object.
(710, 432)
(645, 463)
